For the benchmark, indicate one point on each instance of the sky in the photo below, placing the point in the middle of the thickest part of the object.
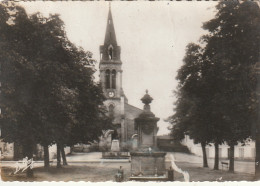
(152, 35)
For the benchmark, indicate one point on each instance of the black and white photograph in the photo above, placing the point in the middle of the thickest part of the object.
(130, 91)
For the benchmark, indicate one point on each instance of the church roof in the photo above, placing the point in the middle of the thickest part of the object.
(131, 111)
(110, 37)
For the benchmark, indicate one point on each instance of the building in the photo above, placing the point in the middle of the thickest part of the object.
(168, 144)
(12, 151)
(111, 79)
(242, 151)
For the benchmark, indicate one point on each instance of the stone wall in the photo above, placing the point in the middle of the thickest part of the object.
(246, 151)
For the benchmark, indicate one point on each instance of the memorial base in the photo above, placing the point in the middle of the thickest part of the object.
(115, 155)
(148, 166)
(149, 178)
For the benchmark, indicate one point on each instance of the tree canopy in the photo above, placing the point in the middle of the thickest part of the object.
(48, 92)
(217, 84)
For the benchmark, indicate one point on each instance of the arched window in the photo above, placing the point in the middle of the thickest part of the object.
(114, 79)
(110, 52)
(107, 82)
(111, 111)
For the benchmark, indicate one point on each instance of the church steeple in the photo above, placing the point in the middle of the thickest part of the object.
(110, 65)
(110, 37)
(110, 51)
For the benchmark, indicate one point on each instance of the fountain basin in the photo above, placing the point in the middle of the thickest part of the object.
(148, 164)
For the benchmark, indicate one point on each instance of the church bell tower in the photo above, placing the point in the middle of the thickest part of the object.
(111, 73)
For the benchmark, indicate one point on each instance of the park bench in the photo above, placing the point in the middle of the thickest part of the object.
(224, 164)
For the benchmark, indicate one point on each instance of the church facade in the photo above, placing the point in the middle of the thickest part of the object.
(110, 67)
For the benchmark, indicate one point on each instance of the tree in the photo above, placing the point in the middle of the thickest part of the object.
(15, 91)
(257, 126)
(233, 48)
(90, 113)
(227, 78)
(48, 86)
(191, 112)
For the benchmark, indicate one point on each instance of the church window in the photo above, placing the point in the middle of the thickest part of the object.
(110, 52)
(107, 82)
(114, 79)
(111, 110)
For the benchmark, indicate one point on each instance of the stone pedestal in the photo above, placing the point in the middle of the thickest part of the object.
(115, 146)
(147, 164)
(115, 152)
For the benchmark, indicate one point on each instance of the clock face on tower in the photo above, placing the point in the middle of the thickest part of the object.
(111, 94)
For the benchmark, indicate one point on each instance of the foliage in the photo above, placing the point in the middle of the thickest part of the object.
(233, 49)
(192, 108)
(219, 80)
(48, 92)
(216, 97)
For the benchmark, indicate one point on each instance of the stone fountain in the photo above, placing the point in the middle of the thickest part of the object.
(147, 163)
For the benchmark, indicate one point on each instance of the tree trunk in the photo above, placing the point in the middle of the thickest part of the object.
(257, 155)
(216, 167)
(58, 156)
(63, 155)
(46, 156)
(231, 157)
(257, 128)
(28, 152)
(205, 161)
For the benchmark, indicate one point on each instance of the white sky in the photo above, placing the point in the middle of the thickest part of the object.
(152, 36)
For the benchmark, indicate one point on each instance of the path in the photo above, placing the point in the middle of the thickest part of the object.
(196, 161)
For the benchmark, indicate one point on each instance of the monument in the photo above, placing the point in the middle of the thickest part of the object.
(114, 152)
(147, 163)
(115, 146)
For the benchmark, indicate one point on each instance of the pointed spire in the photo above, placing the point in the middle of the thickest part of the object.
(110, 37)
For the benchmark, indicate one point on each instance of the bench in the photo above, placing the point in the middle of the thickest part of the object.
(51, 162)
(224, 164)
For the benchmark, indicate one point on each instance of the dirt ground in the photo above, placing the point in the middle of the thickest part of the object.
(207, 174)
(90, 172)
(99, 172)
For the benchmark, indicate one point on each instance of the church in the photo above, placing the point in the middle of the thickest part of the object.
(110, 67)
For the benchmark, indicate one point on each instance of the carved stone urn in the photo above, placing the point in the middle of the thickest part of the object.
(146, 125)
